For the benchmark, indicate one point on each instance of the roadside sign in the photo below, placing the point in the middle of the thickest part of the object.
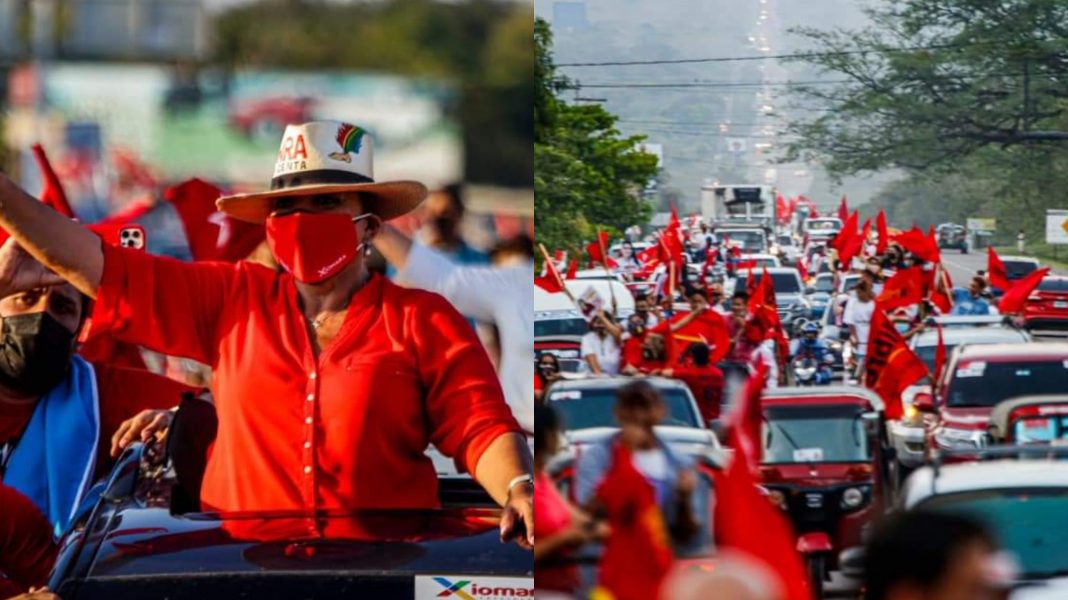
(1057, 226)
(979, 224)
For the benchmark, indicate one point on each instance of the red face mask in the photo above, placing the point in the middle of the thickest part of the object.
(313, 246)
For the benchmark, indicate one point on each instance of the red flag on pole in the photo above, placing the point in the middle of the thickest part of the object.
(852, 247)
(550, 281)
(638, 554)
(919, 243)
(212, 235)
(572, 269)
(1015, 297)
(891, 366)
(843, 209)
(882, 231)
(995, 270)
(905, 288)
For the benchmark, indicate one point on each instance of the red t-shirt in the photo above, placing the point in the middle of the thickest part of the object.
(26, 548)
(345, 429)
(632, 351)
(706, 384)
(123, 393)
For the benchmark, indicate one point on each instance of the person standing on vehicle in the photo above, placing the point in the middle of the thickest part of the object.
(857, 317)
(680, 494)
(362, 374)
(972, 301)
(600, 346)
(703, 378)
(547, 374)
(632, 344)
(643, 307)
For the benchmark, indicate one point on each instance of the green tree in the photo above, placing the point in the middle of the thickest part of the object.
(586, 175)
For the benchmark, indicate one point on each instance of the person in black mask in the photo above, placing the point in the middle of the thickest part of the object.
(57, 411)
(547, 373)
(443, 215)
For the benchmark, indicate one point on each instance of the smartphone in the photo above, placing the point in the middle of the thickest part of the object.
(126, 236)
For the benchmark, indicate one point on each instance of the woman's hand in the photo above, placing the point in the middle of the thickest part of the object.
(517, 519)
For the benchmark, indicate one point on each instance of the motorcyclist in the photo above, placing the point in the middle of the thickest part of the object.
(809, 346)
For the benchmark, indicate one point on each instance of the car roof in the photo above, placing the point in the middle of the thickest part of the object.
(1050, 350)
(999, 417)
(825, 394)
(986, 475)
(971, 335)
(611, 383)
(1028, 259)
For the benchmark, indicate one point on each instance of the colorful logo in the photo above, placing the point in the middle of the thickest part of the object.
(350, 138)
(454, 589)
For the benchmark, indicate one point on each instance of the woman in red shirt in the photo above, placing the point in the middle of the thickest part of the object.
(330, 382)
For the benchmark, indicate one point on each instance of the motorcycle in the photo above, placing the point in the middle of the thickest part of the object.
(804, 371)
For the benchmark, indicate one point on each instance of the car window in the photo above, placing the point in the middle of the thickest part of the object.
(1029, 523)
(983, 383)
(1015, 269)
(824, 284)
(1053, 285)
(583, 409)
(784, 282)
(814, 434)
(560, 327)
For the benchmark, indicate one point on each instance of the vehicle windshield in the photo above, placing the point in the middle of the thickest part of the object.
(982, 383)
(1029, 523)
(560, 327)
(824, 284)
(751, 240)
(784, 283)
(1015, 269)
(1053, 285)
(814, 434)
(785, 240)
(823, 225)
(927, 354)
(583, 409)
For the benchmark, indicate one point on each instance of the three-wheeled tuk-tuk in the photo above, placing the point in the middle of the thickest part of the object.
(825, 462)
(1030, 420)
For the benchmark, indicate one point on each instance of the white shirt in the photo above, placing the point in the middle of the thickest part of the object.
(500, 295)
(858, 314)
(605, 349)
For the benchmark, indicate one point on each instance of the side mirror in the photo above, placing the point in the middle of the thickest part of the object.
(924, 402)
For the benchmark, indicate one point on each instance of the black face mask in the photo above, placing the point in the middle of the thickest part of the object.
(35, 353)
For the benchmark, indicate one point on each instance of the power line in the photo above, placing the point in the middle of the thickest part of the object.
(798, 55)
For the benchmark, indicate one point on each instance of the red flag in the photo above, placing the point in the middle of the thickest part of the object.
(128, 214)
(882, 231)
(740, 509)
(939, 287)
(708, 328)
(52, 193)
(995, 270)
(848, 232)
(853, 246)
(891, 366)
(918, 243)
(550, 281)
(802, 268)
(1015, 297)
(572, 269)
(211, 234)
(781, 211)
(638, 554)
(843, 209)
(905, 288)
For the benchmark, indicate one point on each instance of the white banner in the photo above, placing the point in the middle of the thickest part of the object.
(1057, 226)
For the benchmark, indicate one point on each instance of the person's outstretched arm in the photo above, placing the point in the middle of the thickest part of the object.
(60, 244)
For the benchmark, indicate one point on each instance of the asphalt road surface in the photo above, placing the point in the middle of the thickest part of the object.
(962, 267)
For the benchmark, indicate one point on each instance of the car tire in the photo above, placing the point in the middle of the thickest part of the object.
(816, 573)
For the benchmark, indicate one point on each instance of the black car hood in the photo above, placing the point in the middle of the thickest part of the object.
(145, 542)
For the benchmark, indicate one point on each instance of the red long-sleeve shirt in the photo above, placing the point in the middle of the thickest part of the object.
(345, 430)
(706, 384)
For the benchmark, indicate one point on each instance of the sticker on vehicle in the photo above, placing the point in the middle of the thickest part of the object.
(808, 455)
(975, 369)
(468, 587)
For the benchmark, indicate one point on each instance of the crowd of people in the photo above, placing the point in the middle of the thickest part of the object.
(685, 326)
(361, 373)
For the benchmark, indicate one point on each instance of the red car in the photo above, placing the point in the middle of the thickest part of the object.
(824, 462)
(1047, 308)
(976, 379)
